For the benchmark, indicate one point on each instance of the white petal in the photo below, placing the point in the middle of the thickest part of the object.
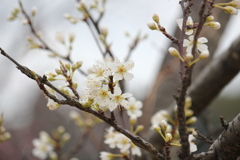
(202, 47)
(129, 64)
(112, 106)
(126, 95)
(117, 91)
(202, 40)
(128, 76)
(179, 22)
(118, 76)
(189, 50)
(186, 43)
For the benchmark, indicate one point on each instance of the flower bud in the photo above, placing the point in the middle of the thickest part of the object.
(156, 128)
(152, 26)
(230, 10)
(168, 137)
(235, 4)
(191, 120)
(104, 31)
(209, 19)
(34, 11)
(71, 37)
(61, 129)
(155, 17)
(214, 25)
(204, 54)
(163, 125)
(189, 56)
(174, 52)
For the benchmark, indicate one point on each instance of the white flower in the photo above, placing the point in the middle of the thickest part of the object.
(42, 146)
(102, 95)
(52, 105)
(121, 70)
(136, 150)
(110, 137)
(106, 156)
(99, 70)
(134, 108)
(193, 146)
(94, 83)
(200, 46)
(189, 23)
(123, 143)
(117, 98)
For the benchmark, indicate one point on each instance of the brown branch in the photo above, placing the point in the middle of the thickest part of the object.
(138, 141)
(226, 147)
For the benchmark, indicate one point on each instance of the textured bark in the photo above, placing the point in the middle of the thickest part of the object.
(226, 147)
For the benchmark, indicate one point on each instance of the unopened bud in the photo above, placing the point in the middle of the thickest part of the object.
(174, 52)
(230, 10)
(104, 31)
(168, 137)
(189, 56)
(214, 25)
(152, 26)
(191, 120)
(163, 125)
(155, 17)
(34, 11)
(209, 19)
(204, 54)
(235, 4)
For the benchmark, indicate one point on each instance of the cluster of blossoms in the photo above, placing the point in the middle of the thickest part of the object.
(45, 146)
(117, 140)
(169, 131)
(103, 91)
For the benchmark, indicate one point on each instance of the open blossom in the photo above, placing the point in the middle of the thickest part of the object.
(52, 105)
(117, 98)
(102, 95)
(200, 44)
(134, 107)
(110, 137)
(42, 146)
(135, 150)
(189, 23)
(123, 143)
(121, 69)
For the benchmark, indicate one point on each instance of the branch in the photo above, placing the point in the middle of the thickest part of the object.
(216, 75)
(138, 141)
(226, 147)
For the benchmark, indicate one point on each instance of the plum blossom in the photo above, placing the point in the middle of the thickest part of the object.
(117, 98)
(134, 109)
(42, 146)
(110, 137)
(189, 23)
(120, 70)
(200, 44)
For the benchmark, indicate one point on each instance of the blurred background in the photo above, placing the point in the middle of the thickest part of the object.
(22, 103)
